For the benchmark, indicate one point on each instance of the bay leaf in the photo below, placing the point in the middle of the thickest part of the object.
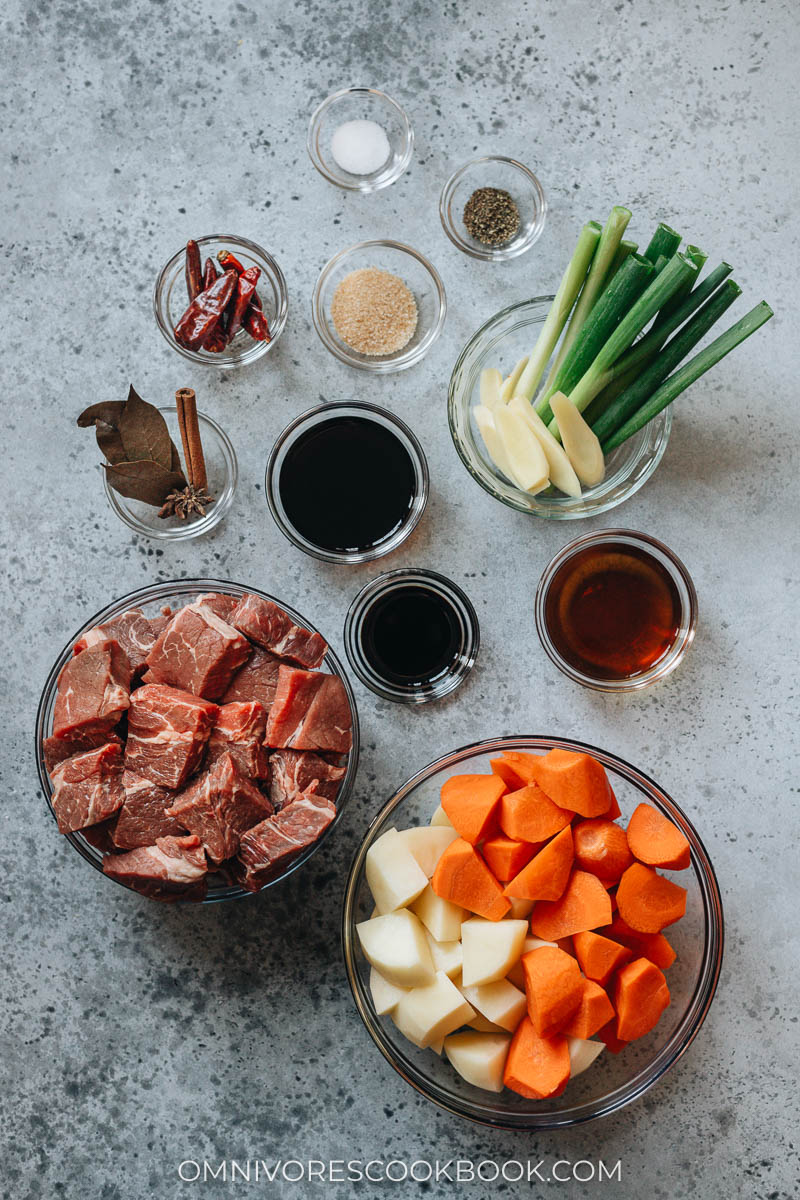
(110, 442)
(107, 411)
(144, 432)
(144, 479)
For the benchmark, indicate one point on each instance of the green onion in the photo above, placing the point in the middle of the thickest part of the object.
(664, 241)
(618, 384)
(688, 374)
(623, 250)
(699, 257)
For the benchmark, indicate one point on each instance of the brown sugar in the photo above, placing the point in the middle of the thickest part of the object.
(374, 312)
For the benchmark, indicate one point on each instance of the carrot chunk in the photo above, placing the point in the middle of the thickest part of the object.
(505, 858)
(607, 1034)
(507, 773)
(614, 811)
(522, 764)
(574, 781)
(529, 816)
(471, 803)
(599, 956)
(546, 876)
(553, 987)
(647, 901)
(654, 840)
(594, 1011)
(584, 905)
(644, 945)
(462, 877)
(601, 848)
(640, 997)
(536, 1067)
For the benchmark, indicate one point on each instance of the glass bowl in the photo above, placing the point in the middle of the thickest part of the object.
(615, 1080)
(360, 104)
(415, 270)
(151, 600)
(511, 176)
(501, 342)
(170, 300)
(223, 474)
(687, 597)
(307, 421)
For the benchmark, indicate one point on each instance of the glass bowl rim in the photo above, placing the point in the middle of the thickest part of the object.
(153, 593)
(696, 1009)
(328, 103)
(497, 253)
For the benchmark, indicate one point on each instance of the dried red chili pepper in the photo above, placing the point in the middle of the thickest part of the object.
(210, 273)
(245, 288)
(203, 315)
(229, 262)
(194, 271)
(262, 334)
(256, 325)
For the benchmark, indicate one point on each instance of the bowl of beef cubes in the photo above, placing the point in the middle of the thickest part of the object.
(197, 741)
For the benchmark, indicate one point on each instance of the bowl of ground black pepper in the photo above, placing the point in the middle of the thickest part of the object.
(493, 208)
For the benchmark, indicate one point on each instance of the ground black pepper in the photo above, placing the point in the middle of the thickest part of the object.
(491, 216)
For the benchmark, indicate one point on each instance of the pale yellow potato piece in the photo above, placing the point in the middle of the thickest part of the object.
(427, 844)
(516, 974)
(428, 1013)
(500, 1002)
(447, 956)
(439, 916)
(440, 817)
(394, 876)
(582, 1054)
(483, 1026)
(480, 1058)
(520, 908)
(396, 945)
(385, 995)
(490, 948)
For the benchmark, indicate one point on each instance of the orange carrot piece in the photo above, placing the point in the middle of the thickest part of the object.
(594, 1011)
(536, 1067)
(522, 764)
(614, 811)
(647, 901)
(462, 877)
(640, 997)
(654, 840)
(565, 944)
(599, 956)
(553, 987)
(507, 773)
(574, 781)
(505, 858)
(607, 1034)
(644, 945)
(471, 802)
(546, 876)
(601, 848)
(584, 905)
(528, 815)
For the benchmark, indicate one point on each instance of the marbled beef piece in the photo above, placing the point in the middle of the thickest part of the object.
(142, 818)
(239, 731)
(93, 692)
(265, 850)
(100, 836)
(56, 750)
(219, 807)
(131, 629)
(198, 653)
(219, 603)
(294, 771)
(274, 630)
(174, 868)
(256, 680)
(87, 788)
(310, 712)
(167, 733)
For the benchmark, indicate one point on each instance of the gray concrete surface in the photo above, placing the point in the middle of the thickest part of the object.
(136, 1036)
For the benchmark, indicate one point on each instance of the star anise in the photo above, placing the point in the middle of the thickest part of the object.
(185, 503)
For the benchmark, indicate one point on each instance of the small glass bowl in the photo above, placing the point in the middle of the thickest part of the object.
(315, 416)
(152, 599)
(501, 342)
(686, 594)
(498, 172)
(222, 471)
(360, 104)
(170, 300)
(615, 1079)
(413, 692)
(419, 275)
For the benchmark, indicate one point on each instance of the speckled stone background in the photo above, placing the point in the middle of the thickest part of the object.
(137, 1036)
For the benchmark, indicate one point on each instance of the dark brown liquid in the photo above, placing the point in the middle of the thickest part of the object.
(612, 611)
(411, 635)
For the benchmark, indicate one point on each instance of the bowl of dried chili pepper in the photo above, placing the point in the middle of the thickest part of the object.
(221, 300)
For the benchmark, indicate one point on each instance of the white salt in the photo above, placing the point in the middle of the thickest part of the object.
(360, 147)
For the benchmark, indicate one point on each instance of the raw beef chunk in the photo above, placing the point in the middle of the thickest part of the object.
(142, 819)
(309, 712)
(56, 750)
(294, 771)
(273, 629)
(167, 733)
(100, 836)
(88, 787)
(93, 691)
(219, 807)
(219, 604)
(256, 680)
(131, 629)
(266, 849)
(159, 623)
(197, 652)
(174, 868)
(240, 731)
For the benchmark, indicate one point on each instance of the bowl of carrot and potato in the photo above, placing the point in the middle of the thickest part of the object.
(533, 932)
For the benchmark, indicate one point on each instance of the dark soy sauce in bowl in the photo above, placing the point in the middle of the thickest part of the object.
(411, 635)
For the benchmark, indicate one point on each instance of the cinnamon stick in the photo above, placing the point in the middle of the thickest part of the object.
(186, 404)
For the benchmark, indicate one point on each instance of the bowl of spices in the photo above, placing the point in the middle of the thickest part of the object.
(616, 610)
(360, 139)
(493, 208)
(379, 306)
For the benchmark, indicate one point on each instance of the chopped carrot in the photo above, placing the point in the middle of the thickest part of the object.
(546, 876)
(644, 945)
(507, 773)
(506, 857)
(614, 811)
(599, 956)
(640, 997)
(573, 781)
(594, 1011)
(462, 877)
(536, 1067)
(553, 987)
(601, 848)
(522, 764)
(647, 901)
(584, 905)
(565, 944)
(471, 803)
(608, 1035)
(654, 840)
(528, 815)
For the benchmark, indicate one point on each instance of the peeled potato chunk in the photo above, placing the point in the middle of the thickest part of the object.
(483, 1026)
(440, 817)
(385, 995)
(440, 917)
(427, 844)
(394, 876)
(395, 945)
(500, 1002)
(582, 1054)
(428, 1013)
(520, 908)
(490, 948)
(479, 1057)
(447, 956)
